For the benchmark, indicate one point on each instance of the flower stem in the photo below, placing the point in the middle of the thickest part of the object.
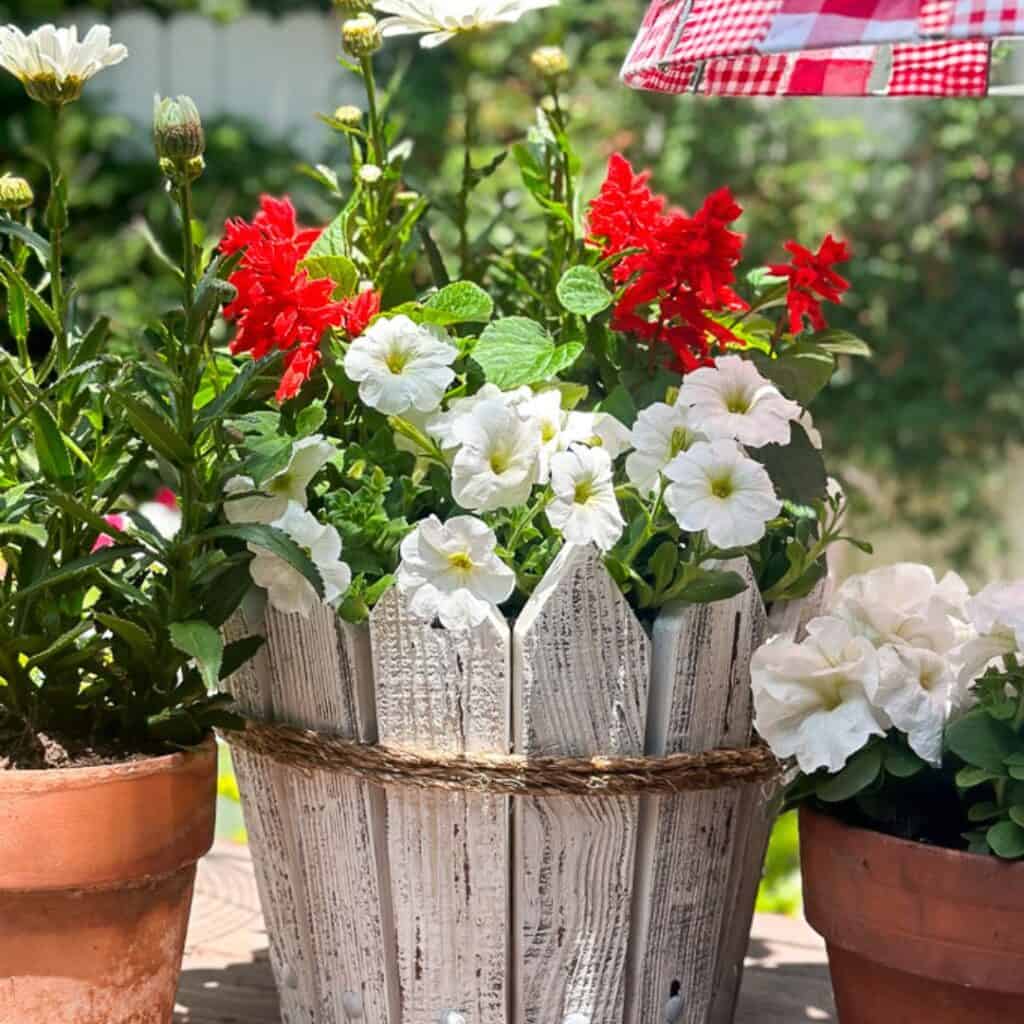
(371, 100)
(469, 135)
(57, 223)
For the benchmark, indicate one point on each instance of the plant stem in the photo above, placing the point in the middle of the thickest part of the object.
(469, 134)
(188, 248)
(57, 225)
(371, 100)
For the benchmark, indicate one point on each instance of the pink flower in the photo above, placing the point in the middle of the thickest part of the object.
(104, 540)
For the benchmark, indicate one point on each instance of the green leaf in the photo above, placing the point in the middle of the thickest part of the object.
(238, 653)
(1017, 814)
(800, 373)
(156, 429)
(200, 641)
(710, 585)
(337, 268)
(277, 542)
(310, 419)
(460, 303)
(332, 240)
(54, 460)
(30, 531)
(968, 778)
(860, 771)
(902, 762)
(984, 811)
(981, 741)
(841, 343)
(35, 242)
(17, 310)
(45, 312)
(797, 469)
(620, 404)
(73, 569)
(138, 640)
(517, 351)
(1007, 840)
(583, 292)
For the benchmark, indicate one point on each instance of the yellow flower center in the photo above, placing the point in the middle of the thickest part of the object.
(548, 432)
(722, 487)
(584, 492)
(737, 402)
(396, 361)
(500, 460)
(461, 561)
(681, 441)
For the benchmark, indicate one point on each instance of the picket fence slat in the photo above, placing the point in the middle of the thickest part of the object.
(197, 45)
(700, 700)
(581, 671)
(448, 692)
(323, 681)
(268, 822)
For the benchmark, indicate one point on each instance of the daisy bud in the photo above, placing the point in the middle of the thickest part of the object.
(15, 193)
(370, 174)
(550, 61)
(349, 115)
(548, 105)
(361, 36)
(177, 129)
(350, 8)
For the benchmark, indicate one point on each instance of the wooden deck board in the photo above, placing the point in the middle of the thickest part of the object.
(226, 977)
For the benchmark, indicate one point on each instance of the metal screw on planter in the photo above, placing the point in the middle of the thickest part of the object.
(393, 861)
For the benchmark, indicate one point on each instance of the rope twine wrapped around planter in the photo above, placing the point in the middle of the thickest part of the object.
(507, 774)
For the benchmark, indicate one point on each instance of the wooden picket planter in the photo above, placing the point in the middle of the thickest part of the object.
(410, 906)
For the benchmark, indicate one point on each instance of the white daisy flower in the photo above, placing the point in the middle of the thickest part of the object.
(440, 20)
(585, 508)
(811, 698)
(264, 504)
(716, 488)
(52, 64)
(401, 365)
(997, 615)
(661, 432)
(499, 459)
(287, 589)
(597, 430)
(733, 400)
(450, 572)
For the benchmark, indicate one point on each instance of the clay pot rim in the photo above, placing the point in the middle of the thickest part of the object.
(41, 779)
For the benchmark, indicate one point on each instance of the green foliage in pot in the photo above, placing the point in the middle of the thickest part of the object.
(110, 610)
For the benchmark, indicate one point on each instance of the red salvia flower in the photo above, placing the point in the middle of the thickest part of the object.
(684, 270)
(278, 304)
(811, 280)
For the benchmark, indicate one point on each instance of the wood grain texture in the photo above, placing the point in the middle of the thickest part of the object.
(268, 821)
(323, 680)
(448, 852)
(700, 700)
(758, 809)
(581, 671)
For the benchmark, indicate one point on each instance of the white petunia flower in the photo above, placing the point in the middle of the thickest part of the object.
(585, 508)
(499, 459)
(904, 604)
(545, 410)
(287, 589)
(597, 430)
(441, 425)
(440, 20)
(716, 488)
(813, 433)
(917, 690)
(661, 432)
(811, 698)
(270, 501)
(52, 64)
(401, 365)
(997, 615)
(450, 572)
(733, 400)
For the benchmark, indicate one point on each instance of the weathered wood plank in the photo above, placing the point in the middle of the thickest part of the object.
(581, 670)
(700, 699)
(268, 822)
(448, 852)
(757, 812)
(322, 679)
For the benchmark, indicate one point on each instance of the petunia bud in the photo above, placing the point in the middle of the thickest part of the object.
(361, 36)
(15, 193)
(550, 61)
(177, 129)
(349, 115)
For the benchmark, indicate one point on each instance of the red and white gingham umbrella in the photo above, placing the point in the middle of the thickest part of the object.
(821, 47)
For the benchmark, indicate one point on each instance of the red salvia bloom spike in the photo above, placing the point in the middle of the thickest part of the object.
(279, 306)
(811, 280)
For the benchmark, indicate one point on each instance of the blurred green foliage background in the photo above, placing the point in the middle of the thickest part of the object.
(931, 195)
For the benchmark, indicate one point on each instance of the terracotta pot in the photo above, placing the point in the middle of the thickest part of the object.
(914, 932)
(96, 874)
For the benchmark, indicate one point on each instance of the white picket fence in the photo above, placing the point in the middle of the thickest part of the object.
(277, 72)
(419, 907)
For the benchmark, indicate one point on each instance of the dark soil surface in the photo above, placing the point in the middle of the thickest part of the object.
(22, 749)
